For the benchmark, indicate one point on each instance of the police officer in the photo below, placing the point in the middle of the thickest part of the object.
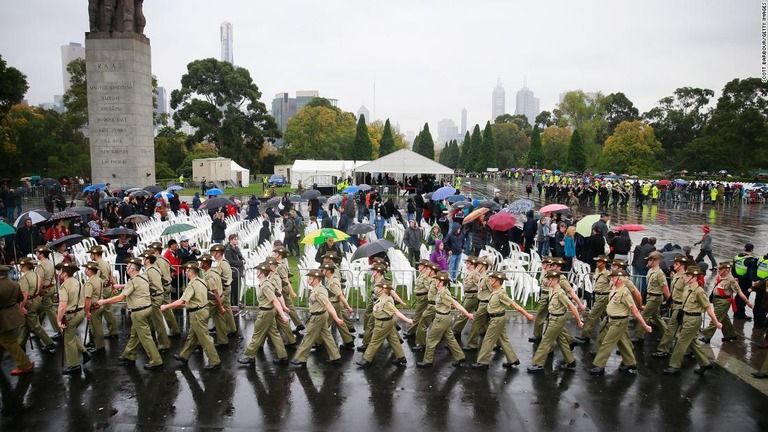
(164, 265)
(420, 290)
(657, 292)
(679, 287)
(317, 328)
(47, 274)
(694, 303)
(11, 318)
(69, 317)
(338, 300)
(557, 305)
(139, 301)
(620, 304)
(30, 284)
(440, 329)
(602, 289)
(195, 298)
(384, 329)
(93, 292)
(429, 313)
(725, 287)
(107, 282)
(471, 287)
(270, 309)
(497, 327)
(744, 269)
(156, 291)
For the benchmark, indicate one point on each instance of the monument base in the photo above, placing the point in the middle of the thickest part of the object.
(120, 111)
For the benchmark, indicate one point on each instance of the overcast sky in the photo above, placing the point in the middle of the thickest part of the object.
(428, 59)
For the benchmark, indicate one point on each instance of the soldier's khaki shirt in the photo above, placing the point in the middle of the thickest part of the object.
(28, 283)
(165, 269)
(678, 287)
(266, 293)
(384, 307)
(72, 292)
(602, 281)
(432, 291)
(105, 270)
(421, 285)
(558, 302)
(137, 292)
(498, 301)
(93, 288)
(484, 289)
(443, 300)
(696, 300)
(318, 299)
(284, 282)
(195, 294)
(729, 285)
(656, 281)
(472, 281)
(155, 279)
(334, 290)
(47, 272)
(224, 270)
(620, 302)
(213, 281)
(565, 285)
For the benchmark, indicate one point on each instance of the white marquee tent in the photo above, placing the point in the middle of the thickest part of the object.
(322, 172)
(404, 162)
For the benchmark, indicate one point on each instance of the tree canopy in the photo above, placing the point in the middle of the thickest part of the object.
(13, 86)
(319, 132)
(362, 149)
(632, 148)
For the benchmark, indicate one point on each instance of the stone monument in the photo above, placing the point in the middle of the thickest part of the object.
(120, 112)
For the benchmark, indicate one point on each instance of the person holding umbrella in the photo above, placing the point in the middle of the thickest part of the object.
(28, 237)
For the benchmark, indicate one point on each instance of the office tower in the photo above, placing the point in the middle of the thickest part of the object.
(364, 111)
(527, 104)
(227, 54)
(68, 54)
(498, 104)
(463, 121)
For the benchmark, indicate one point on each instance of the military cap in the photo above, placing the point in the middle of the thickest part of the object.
(264, 268)
(546, 260)
(434, 266)
(482, 262)
(725, 264)
(43, 249)
(443, 276)
(206, 258)
(328, 266)
(156, 246)
(66, 265)
(379, 267)
(315, 273)
(27, 262)
(655, 255)
(558, 261)
(96, 250)
(619, 272)
(271, 261)
(619, 263)
(682, 259)
(331, 255)
(4, 269)
(498, 275)
(553, 274)
(423, 263)
(385, 284)
(693, 271)
(603, 258)
(216, 248)
(90, 265)
(191, 266)
(134, 260)
(281, 250)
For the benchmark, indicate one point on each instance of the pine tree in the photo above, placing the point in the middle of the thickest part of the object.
(473, 163)
(416, 143)
(426, 144)
(577, 159)
(362, 148)
(465, 145)
(387, 142)
(453, 161)
(535, 154)
(488, 153)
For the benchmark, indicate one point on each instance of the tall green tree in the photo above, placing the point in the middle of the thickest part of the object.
(170, 148)
(463, 149)
(362, 148)
(222, 102)
(535, 154)
(76, 97)
(577, 160)
(632, 149)
(618, 108)
(554, 146)
(587, 114)
(416, 147)
(474, 162)
(511, 145)
(488, 153)
(13, 87)
(387, 143)
(426, 143)
(319, 132)
(545, 119)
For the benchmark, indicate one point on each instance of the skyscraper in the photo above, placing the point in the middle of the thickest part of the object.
(303, 97)
(69, 53)
(364, 111)
(227, 54)
(162, 101)
(463, 121)
(498, 103)
(527, 105)
(283, 109)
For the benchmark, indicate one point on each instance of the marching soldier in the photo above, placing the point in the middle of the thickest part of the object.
(164, 265)
(481, 315)
(384, 329)
(224, 271)
(429, 313)
(557, 305)
(317, 328)
(471, 287)
(107, 283)
(47, 273)
(11, 318)
(216, 308)
(270, 309)
(497, 327)
(93, 293)
(420, 290)
(379, 269)
(602, 289)
(657, 287)
(289, 338)
(440, 329)
(694, 303)
(725, 287)
(333, 257)
(139, 301)
(195, 299)
(69, 317)
(156, 291)
(338, 300)
(285, 283)
(620, 305)
(541, 312)
(678, 293)
(30, 284)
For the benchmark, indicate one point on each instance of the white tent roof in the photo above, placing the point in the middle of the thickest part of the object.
(404, 162)
(321, 171)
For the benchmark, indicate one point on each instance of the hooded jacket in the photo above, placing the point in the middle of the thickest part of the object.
(439, 257)
(454, 241)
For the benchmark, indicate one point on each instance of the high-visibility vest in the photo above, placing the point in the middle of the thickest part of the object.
(739, 265)
(762, 268)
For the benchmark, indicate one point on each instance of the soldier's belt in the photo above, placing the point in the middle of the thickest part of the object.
(335, 301)
(431, 302)
(265, 308)
(470, 292)
(30, 298)
(8, 306)
(497, 315)
(141, 308)
(677, 302)
(421, 294)
(698, 314)
(317, 313)
(483, 301)
(546, 293)
(157, 294)
(190, 310)
(654, 294)
(70, 312)
(556, 315)
(442, 313)
(722, 297)
(605, 293)
(618, 317)
(384, 319)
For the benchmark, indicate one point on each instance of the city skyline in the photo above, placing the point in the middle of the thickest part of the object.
(703, 46)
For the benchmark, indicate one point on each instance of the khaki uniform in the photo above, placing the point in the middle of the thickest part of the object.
(384, 329)
(29, 284)
(334, 290)
(46, 271)
(196, 301)
(156, 291)
(722, 305)
(139, 302)
(471, 287)
(655, 297)
(678, 293)
(317, 327)
(283, 327)
(497, 328)
(558, 304)
(420, 290)
(481, 315)
(105, 273)
(618, 309)
(282, 270)
(224, 271)
(368, 320)
(695, 303)
(541, 312)
(265, 325)
(10, 320)
(441, 327)
(602, 289)
(93, 290)
(213, 283)
(71, 292)
(429, 313)
(165, 271)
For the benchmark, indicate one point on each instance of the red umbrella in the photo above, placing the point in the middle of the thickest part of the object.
(553, 208)
(630, 228)
(502, 221)
(664, 182)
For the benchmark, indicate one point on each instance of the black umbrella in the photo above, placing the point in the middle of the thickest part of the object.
(109, 200)
(153, 189)
(372, 248)
(117, 232)
(63, 215)
(360, 228)
(49, 182)
(36, 216)
(82, 211)
(216, 203)
(69, 240)
(312, 193)
(322, 200)
(273, 202)
(489, 204)
(141, 193)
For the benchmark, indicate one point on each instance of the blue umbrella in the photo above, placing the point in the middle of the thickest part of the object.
(520, 206)
(558, 172)
(214, 191)
(351, 189)
(88, 189)
(443, 193)
(175, 188)
(163, 194)
(455, 198)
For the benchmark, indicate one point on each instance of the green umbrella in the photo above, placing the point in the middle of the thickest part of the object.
(6, 229)
(318, 237)
(178, 228)
(584, 226)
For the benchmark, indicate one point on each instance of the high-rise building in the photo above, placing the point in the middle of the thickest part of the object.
(303, 97)
(283, 109)
(227, 54)
(364, 112)
(68, 54)
(446, 131)
(162, 101)
(463, 121)
(527, 104)
(498, 103)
